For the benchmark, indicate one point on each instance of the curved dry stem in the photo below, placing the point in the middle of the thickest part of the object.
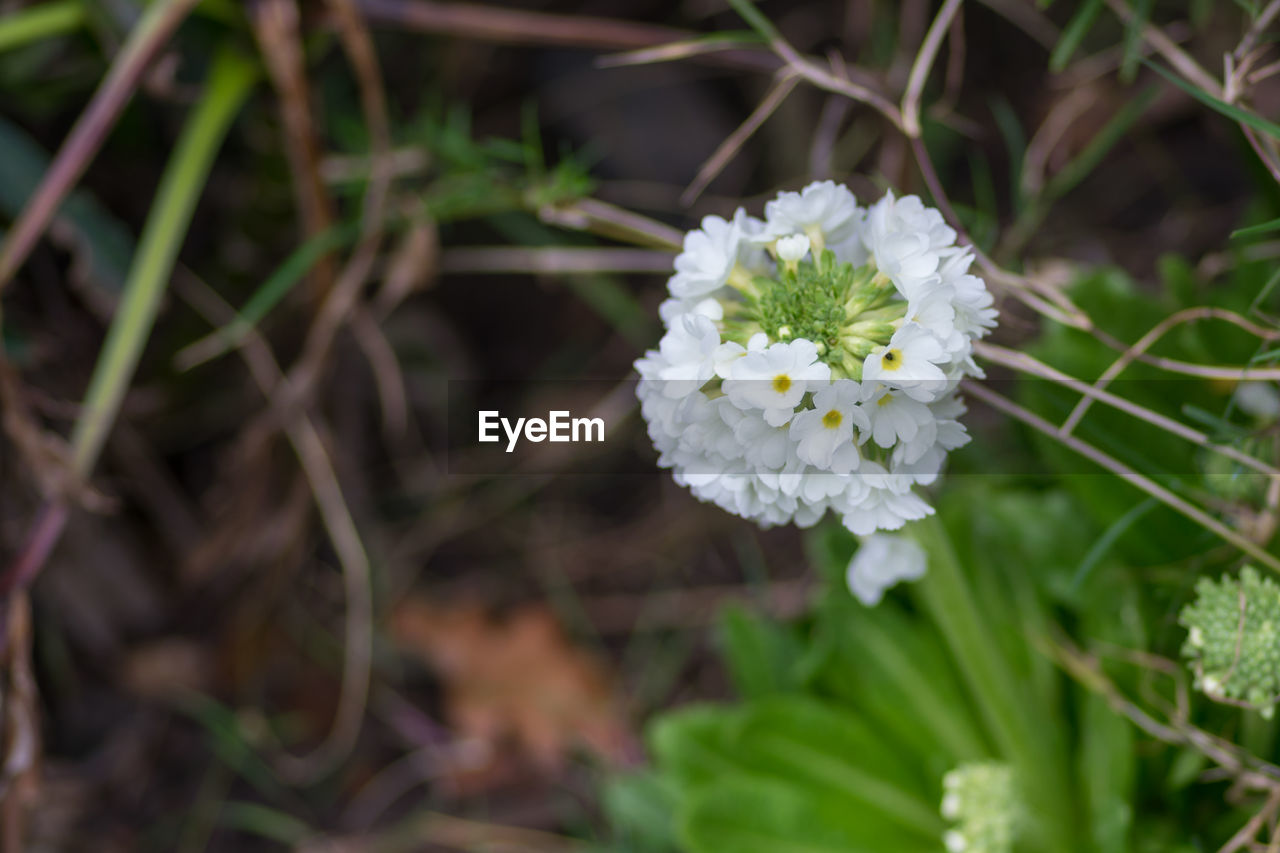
(90, 129)
(317, 467)
(336, 309)
(1137, 352)
(813, 72)
(922, 65)
(786, 82)
(1256, 30)
(1174, 55)
(1025, 290)
(1034, 367)
(1124, 472)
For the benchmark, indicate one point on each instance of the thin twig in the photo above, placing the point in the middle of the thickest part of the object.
(1166, 47)
(1149, 340)
(1124, 472)
(922, 65)
(318, 468)
(1023, 289)
(608, 220)
(91, 128)
(515, 26)
(1027, 18)
(297, 387)
(811, 70)
(1030, 365)
(786, 82)
(276, 27)
(1256, 30)
(553, 260)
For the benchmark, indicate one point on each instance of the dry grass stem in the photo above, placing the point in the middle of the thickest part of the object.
(785, 83)
(1124, 472)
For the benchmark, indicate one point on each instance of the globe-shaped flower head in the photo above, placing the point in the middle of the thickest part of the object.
(811, 359)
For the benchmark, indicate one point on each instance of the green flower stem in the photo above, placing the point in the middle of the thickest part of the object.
(1008, 711)
(230, 80)
(39, 22)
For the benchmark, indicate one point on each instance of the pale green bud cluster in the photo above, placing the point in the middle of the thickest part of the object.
(846, 311)
(981, 800)
(1233, 639)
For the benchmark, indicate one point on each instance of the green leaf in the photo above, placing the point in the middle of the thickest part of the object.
(640, 807)
(760, 652)
(230, 80)
(756, 20)
(1255, 230)
(1107, 768)
(1078, 27)
(879, 661)
(821, 747)
(696, 744)
(1138, 17)
(40, 22)
(746, 815)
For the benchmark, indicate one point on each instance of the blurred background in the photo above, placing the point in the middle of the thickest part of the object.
(256, 599)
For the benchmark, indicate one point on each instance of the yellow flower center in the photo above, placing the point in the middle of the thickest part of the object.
(781, 383)
(832, 419)
(885, 400)
(891, 360)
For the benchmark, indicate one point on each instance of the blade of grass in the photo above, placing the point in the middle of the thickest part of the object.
(1015, 142)
(230, 81)
(268, 296)
(264, 822)
(1108, 538)
(1230, 111)
(1091, 155)
(1265, 292)
(1255, 230)
(1078, 27)
(1133, 40)
(756, 20)
(39, 22)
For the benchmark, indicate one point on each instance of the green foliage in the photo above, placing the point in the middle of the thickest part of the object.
(850, 720)
(1126, 313)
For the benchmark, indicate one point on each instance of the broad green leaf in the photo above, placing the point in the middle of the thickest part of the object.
(640, 807)
(1107, 767)
(746, 815)
(821, 747)
(761, 653)
(696, 744)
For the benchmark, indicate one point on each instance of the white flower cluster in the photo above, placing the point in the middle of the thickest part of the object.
(811, 359)
(981, 799)
(882, 560)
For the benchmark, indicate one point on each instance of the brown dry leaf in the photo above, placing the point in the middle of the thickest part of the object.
(518, 678)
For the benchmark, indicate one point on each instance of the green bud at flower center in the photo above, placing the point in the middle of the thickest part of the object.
(846, 311)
